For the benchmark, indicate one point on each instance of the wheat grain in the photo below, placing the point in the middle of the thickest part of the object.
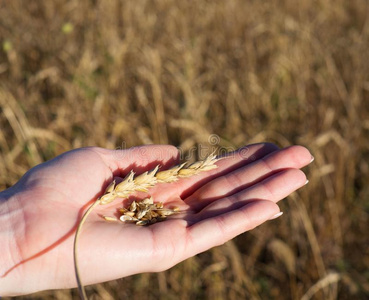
(145, 212)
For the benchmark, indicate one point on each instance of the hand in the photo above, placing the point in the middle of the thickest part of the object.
(39, 215)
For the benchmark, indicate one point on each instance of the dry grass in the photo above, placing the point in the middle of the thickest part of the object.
(123, 73)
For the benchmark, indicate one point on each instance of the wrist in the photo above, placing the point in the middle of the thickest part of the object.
(11, 220)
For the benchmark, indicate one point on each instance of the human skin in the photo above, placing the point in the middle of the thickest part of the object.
(39, 214)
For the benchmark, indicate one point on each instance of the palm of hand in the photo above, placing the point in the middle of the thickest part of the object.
(219, 208)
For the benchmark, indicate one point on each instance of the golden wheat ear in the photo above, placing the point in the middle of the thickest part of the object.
(143, 212)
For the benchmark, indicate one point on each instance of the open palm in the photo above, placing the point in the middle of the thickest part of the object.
(218, 205)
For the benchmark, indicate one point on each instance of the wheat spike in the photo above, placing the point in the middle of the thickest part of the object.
(148, 179)
(144, 212)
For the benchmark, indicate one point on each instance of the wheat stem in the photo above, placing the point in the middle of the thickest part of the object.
(81, 288)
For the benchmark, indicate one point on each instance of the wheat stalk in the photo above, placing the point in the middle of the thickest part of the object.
(143, 212)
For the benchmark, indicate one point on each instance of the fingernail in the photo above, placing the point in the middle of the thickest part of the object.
(307, 181)
(312, 158)
(276, 215)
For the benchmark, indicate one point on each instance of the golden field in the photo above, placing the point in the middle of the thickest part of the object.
(118, 74)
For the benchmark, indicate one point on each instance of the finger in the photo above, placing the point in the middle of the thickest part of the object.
(218, 230)
(234, 160)
(240, 179)
(139, 159)
(273, 188)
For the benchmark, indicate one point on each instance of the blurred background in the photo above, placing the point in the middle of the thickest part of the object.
(118, 74)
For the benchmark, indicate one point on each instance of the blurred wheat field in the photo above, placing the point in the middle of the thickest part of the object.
(123, 73)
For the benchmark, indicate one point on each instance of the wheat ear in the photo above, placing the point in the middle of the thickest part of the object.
(143, 182)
